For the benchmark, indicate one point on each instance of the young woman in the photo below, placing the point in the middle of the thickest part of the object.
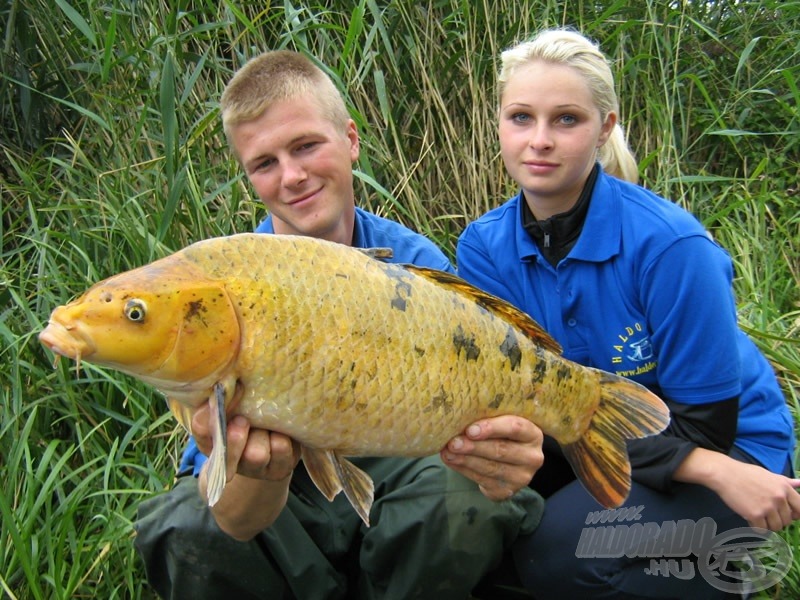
(628, 282)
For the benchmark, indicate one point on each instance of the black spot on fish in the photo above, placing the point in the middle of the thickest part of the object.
(419, 351)
(399, 303)
(510, 349)
(566, 420)
(441, 402)
(498, 400)
(403, 291)
(194, 310)
(462, 341)
(539, 370)
(402, 287)
(563, 372)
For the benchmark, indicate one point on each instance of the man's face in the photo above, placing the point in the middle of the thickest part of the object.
(300, 165)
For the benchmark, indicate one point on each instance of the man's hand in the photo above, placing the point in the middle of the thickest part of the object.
(259, 466)
(500, 454)
(254, 453)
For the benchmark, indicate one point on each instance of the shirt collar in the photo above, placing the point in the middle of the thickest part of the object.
(600, 238)
(267, 226)
(556, 235)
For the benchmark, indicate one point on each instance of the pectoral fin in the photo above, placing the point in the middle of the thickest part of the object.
(332, 473)
(217, 467)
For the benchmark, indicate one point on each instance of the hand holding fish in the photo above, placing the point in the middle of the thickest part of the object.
(500, 454)
(252, 452)
(259, 465)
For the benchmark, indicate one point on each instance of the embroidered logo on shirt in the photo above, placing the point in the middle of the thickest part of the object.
(634, 347)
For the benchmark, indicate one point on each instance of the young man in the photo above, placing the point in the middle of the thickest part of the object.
(434, 533)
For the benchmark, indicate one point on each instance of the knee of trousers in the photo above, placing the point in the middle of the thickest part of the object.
(177, 526)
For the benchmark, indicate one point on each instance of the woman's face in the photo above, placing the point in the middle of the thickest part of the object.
(550, 130)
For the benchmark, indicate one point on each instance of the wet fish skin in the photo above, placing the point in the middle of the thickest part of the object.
(350, 356)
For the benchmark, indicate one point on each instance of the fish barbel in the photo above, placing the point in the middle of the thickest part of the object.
(348, 355)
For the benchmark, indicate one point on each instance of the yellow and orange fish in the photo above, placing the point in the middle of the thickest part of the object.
(349, 355)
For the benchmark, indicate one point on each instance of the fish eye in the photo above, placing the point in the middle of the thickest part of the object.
(135, 310)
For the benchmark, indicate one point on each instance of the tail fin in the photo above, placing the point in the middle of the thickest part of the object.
(626, 411)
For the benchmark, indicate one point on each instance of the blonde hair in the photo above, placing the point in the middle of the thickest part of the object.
(275, 76)
(570, 48)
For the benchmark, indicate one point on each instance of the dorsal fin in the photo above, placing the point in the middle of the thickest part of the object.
(497, 306)
(377, 253)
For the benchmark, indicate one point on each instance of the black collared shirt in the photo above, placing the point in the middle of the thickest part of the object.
(557, 235)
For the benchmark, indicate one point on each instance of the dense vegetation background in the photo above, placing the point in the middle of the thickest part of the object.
(111, 155)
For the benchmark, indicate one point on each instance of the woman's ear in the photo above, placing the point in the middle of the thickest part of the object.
(607, 128)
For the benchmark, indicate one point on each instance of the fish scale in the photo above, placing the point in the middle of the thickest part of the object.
(350, 356)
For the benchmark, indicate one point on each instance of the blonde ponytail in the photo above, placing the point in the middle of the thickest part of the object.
(616, 157)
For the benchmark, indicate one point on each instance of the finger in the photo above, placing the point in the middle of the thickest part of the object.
(268, 455)
(237, 437)
(493, 488)
(503, 479)
(496, 493)
(201, 431)
(794, 504)
(504, 451)
(509, 427)
(773, 521)
(785, 515)
(256, 454)
(528, 456)
(285, 454)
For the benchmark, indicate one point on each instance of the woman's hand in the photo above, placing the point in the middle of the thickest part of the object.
(500, 454)
(764, 499)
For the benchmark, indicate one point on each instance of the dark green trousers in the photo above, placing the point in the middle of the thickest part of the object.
(432, 535)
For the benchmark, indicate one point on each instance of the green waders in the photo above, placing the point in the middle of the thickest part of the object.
(432, 535)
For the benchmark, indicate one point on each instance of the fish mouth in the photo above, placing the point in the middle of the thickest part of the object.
(66, 340)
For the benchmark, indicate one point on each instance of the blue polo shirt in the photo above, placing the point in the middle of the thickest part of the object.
(645, 293)
(369, 231)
